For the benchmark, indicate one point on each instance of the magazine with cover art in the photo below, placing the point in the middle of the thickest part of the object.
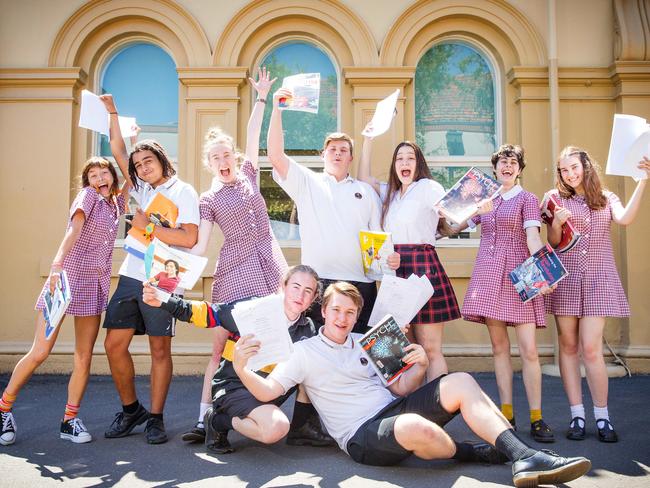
(160, 211)
(375, 249)
(305, 93)
(543, 268)
(570, 236)
(56, 304)
(384, 345)
(461, 201)
(167, 268)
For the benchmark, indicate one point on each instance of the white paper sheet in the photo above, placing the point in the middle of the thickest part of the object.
(93, 114)
(401, 298)
(630, 142)
(127, 125)
(383, 116)
(265, 319)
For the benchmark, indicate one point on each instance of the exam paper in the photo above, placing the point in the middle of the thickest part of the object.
(630, 142)
(383, 116)
(265, 319)
(93, 114)
(402, 298)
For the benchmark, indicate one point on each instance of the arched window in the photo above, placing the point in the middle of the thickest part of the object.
(456, 116)
(304, 133)
(143, 80)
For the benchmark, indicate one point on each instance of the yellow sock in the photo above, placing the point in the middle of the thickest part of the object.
(506, 410)
(535, 415)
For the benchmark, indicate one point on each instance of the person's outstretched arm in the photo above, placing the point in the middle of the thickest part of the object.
(625, 215)
(264, 389)
(261, 87)
(118, 148)
(275, 137)
(365, 173)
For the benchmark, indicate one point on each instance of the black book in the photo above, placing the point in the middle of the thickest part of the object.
(384, 346)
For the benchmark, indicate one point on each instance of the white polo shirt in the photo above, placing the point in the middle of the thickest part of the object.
(184, 197)
(412, 218)
(345, 391)
(331, 214)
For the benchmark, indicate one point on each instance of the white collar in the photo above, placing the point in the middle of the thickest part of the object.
(333, 179)
(512, 192)
(348, 344)
(164, 186)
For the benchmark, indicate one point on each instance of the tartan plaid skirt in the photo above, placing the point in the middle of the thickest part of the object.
(422, 259)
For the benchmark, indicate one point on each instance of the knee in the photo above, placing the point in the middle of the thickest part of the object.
(592, 352)
(113, 347)
(501, 347)
(414, 431)
(39, 355)
(463, 381)
(274, 430)
(83, 359)
(160, 353)
(528, 353)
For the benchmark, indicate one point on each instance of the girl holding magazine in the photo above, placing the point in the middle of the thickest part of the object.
(592, 290)
(85, 254)
(510, 225)
(251, 263)
(409, 214)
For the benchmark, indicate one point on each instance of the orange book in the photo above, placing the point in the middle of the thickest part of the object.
(161, 211)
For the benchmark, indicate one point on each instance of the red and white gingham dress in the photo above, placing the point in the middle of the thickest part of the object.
(490, 293)
(250, 262)
(89, 262)
(593, 287)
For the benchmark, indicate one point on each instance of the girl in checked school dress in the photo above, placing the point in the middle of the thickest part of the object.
(510, 227)
(251, 263)
(86, 255)
(592, 290)
(408, 212)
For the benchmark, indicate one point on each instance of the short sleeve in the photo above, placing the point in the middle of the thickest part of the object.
(206, 211)
(121, 203)
(435, 192)
(188, 206)
(531, 215)
(85, 201)
(291, 372)
(383, 191)
(224, 312)
(297, 180)
(476, 220)
(614, 201)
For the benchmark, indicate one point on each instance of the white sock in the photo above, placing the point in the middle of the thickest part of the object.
(601, 413)
(578, 411)
(202, 409)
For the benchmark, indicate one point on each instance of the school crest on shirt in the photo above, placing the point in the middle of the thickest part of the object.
(358, 195)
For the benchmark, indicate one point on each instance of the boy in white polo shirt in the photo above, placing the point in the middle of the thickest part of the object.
(375, 428)
(332, 207)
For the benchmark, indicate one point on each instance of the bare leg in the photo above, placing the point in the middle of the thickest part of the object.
(218, 343)
(429, 336)
(85, 330)
(502, 365)
(120, 361)
(424, 438)
(266, 424)
(161, 371)
(531, 370)
(568, 340)
(591, 340)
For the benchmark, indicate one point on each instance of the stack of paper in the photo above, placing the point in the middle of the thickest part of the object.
(401, 298)
(630, 142)
(93, 116)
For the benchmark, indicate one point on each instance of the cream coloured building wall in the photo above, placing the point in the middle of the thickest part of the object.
(46, 59)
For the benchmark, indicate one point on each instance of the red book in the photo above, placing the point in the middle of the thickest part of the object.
(570, 236)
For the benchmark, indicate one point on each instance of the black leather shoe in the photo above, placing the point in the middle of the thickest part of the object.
(487, 454)
(541, 432)
(215, 442)
(155, 430)
(547, 468)
(607, 433)
(310, 434)
(124, 423)
(575, 432)
(195, 434)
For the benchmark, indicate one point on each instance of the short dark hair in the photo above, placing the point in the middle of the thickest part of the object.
(176, 265)
(160, 153)
(510, 151)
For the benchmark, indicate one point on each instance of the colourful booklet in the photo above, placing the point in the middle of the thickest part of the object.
(570, 236)
(56, 304)
(543, 268)
(375, 249)
(461, 201)
(384, 345)
(305, 89)
(166, 267)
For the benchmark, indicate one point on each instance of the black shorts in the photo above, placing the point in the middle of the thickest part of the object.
(241, 402)
(126, 310)
(368, 292)
(374, 442)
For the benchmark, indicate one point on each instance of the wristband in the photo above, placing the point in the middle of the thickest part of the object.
(262, 100)
(113, 113)
(148, 230)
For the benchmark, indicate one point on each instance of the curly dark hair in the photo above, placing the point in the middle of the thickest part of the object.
(160, 153)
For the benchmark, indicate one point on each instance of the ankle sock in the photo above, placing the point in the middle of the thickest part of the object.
(301, 414)
(578, 411)
(601, 414)
(221, 422)
(507, 411)
(512, 446)
(464, 452)
(131, 408)
(535, 415)
(7, 401)
(203, 407)
(71, 411)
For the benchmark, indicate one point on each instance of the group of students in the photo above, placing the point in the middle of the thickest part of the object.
(333, 208)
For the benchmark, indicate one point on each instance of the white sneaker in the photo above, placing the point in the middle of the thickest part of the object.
(8, 433)
(74, 430)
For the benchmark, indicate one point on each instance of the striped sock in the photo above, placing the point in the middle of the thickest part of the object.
(535, 415)
(506, 410)
(7, 401)
(71, 411)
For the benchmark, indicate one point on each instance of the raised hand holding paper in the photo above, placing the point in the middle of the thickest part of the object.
(383, 116)
(629, 144)
(305, 89)
(93, 116)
